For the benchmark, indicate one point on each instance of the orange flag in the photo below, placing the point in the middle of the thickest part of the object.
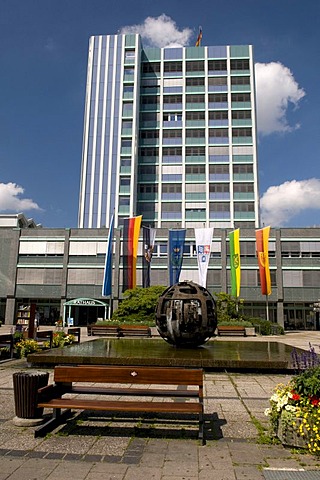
(262, 239)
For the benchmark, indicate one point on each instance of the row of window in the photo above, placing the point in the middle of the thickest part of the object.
(196, 169)
(193, 98)
(195, 133)
(193, 151)
(213, 188)
(196, 66)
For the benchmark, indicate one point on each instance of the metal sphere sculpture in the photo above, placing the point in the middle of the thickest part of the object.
(186, 315)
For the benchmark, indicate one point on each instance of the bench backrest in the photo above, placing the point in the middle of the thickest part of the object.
(133, 375)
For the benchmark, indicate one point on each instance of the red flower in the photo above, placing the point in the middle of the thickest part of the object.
(315, 401)
(295, 396)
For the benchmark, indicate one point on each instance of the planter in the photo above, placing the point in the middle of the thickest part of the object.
(250, 331)
(289, 434)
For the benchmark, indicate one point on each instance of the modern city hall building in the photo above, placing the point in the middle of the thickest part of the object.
(170, 134)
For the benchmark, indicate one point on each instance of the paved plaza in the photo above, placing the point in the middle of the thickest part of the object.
(95, 447)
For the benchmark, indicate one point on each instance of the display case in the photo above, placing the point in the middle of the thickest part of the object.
(23, 314)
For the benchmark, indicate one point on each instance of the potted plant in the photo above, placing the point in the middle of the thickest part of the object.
(295, 411)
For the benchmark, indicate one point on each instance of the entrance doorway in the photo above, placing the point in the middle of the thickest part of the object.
(81, 312)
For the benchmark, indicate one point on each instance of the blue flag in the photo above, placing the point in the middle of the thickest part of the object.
(107, 278)
(176, 246)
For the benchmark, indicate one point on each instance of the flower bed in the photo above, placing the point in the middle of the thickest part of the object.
(295, 411)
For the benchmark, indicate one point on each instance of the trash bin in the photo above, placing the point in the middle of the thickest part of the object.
(25, 388)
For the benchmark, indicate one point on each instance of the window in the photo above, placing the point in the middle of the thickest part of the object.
(218, 98)
(195, 115)
(194, 82)
(148, 67)
(219, 207)
(218, 132)
(218, 115)
(173, 67)
(195, 151)
(127, 124)
(242, 132)
(217, 65)
(149, 99)
(240, 80)
(242, 169)
(125, 162)
(172, 99)
(172, 133)
(239, 64)
(172, 117)
(172, 151)
(240, 97)
(195, 98)
(126, 143)
(195, 133)
(128, 88)
(124, 201)
(217, 81)
(243, 207)
(129, 53)
(124, 181)
(148, 170)
(241, 114)
(195, 170)
(148, 188)
(195, 66)
(243, 187)
(219, 169)
(149, 152)
(219, 188)
(149, 133)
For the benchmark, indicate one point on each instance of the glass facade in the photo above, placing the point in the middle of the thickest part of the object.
(172, 116)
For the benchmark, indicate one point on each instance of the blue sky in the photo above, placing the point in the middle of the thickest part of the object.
(44, 47)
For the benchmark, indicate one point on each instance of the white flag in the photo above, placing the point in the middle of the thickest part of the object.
(203, 246)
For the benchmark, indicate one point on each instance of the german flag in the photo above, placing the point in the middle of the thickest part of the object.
(262, 239)
(198, 42)
(131, 230)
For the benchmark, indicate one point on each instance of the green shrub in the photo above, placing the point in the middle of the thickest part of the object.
(266, 326)
(235, 323)
(138, 306)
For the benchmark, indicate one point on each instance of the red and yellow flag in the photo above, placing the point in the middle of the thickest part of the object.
(198, 42)
(262, 239)
(131, 229)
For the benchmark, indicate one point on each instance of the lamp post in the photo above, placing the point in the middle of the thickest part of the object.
(316, 309)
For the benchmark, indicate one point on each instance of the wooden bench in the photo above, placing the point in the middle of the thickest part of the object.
(130, 381)
(43, 336)
(76, 332)
(231, 330)
(134, 331)
(119, 331)
(6, 341)
(110, 330)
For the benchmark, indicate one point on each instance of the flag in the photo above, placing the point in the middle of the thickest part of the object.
(176, 246)
(149, 235)
(131, 230)
(198, 42)
(262, 239)
(234, 244)
(203, 246)
(107, 277)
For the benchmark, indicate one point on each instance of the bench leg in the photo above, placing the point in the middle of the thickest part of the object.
(56, 419)
(201, 429)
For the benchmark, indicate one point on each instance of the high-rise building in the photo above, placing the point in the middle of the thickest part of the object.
(169, 133)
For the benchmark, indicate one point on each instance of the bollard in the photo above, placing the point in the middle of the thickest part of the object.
(25, 388)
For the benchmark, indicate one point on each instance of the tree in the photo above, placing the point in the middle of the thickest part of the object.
(228, 307)
(139, 305)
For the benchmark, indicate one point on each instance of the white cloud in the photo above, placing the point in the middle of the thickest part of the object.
(281, 203)
(10, 201)
(276, 89)
(160, 32)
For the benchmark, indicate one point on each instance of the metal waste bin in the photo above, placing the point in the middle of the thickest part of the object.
(25, 388)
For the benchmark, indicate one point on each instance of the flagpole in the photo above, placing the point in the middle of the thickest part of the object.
(267, 307)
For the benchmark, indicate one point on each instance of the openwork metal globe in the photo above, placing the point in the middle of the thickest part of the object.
(186, 315)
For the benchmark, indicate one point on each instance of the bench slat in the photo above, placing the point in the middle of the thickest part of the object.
(152, 392)
(133, 375)
(125, 406)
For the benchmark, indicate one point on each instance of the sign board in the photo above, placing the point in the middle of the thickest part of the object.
(70, 322)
